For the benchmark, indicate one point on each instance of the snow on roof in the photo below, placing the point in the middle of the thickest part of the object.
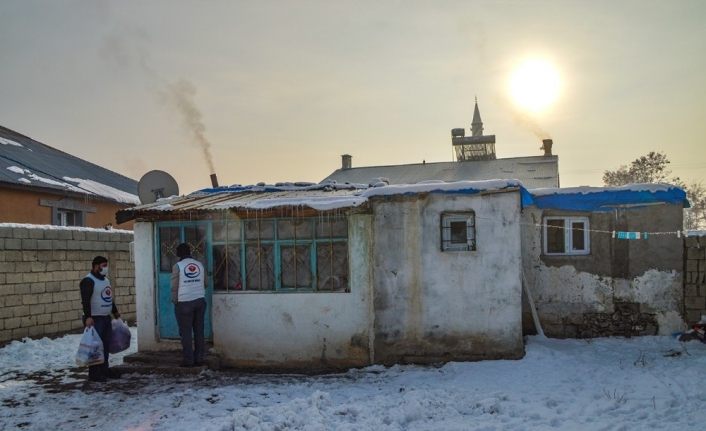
(82, 185)
(334, 196)
(606, 198)
(640, 187)
(26, 162)
(532, 171)
(320, 197)
(9, 142)
(442, 187)
(104, 190)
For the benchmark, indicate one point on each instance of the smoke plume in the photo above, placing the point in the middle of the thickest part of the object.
(530, 123)
(182, 95)
(130, 53)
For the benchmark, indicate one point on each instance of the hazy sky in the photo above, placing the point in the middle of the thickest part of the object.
(285, 88)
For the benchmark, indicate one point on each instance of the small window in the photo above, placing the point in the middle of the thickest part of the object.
(69, 218)
(458, 231)
(566, 236)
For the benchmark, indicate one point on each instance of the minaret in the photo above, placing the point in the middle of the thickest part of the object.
(477, 124)
(475, 147)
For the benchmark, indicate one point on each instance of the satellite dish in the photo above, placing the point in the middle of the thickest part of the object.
(156, 185)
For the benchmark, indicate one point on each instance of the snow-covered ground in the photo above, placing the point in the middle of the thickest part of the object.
(603, 384)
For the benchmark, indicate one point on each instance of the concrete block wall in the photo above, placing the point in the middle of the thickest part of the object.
(694, 278)
(40, 271)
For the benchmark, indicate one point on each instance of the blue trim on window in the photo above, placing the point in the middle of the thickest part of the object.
(276, 244)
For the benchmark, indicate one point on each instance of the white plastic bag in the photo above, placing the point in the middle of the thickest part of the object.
(90, 351)
(119, 337)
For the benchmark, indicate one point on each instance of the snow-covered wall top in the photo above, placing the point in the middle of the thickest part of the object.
(606, 198)
(53, 227)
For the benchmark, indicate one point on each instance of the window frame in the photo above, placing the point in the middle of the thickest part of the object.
(312, 243)
(568, 237)
(62, 217)
(449, 217)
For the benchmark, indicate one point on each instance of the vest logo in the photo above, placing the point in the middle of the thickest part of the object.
(192, 271)
(107, 294)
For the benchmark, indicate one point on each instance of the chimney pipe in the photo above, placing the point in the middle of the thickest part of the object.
(346, 161)
(214, 181)
(547, 147)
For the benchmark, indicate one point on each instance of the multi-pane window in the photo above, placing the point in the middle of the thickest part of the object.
(170, 237)
(566, 235)
(282, 254)
(69, 218)
(458, 231)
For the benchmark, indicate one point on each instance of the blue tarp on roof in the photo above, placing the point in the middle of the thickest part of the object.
(587, 199)
(606, 198)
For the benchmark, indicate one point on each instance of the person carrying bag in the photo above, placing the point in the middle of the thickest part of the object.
(90, 350)
(98, 305)
(120, 336)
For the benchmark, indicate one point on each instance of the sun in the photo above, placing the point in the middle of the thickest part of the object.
(535, 85)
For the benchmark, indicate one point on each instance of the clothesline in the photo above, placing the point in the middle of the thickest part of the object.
(613, 233)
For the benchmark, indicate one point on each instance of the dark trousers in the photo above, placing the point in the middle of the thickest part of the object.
(190, 318)
(103, 327)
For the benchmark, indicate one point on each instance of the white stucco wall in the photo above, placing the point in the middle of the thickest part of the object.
(147, 337)
(432, 305)
(295, 330)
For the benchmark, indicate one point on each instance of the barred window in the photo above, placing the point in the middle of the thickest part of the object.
(458, 231)
(281, 254)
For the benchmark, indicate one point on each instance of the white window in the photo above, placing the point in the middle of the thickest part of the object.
(69, 218)
(458, 231)
(566, 235)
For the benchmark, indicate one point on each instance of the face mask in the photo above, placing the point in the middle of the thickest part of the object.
(104, 271)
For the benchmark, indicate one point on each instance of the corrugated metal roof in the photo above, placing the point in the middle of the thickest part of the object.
(253, 198)
(287, 198)
(29, 163)
(533, 172)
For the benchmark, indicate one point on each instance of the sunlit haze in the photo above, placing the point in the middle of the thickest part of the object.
(277, 91)
(535, 85)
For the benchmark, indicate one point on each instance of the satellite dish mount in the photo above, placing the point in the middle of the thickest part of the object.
(156, 185)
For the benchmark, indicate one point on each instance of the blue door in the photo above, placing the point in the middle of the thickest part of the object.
(169, 236)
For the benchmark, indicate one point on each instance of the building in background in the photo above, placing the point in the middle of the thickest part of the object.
(42, 185)
(475, 160)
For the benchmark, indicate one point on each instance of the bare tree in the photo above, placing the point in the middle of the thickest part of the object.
(695, 217)
(652, 168)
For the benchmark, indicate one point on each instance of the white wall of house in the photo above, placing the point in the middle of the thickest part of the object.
(298, 330)
(147, 336)
(441, 305)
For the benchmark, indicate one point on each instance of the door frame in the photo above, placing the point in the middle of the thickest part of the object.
(208, 263)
